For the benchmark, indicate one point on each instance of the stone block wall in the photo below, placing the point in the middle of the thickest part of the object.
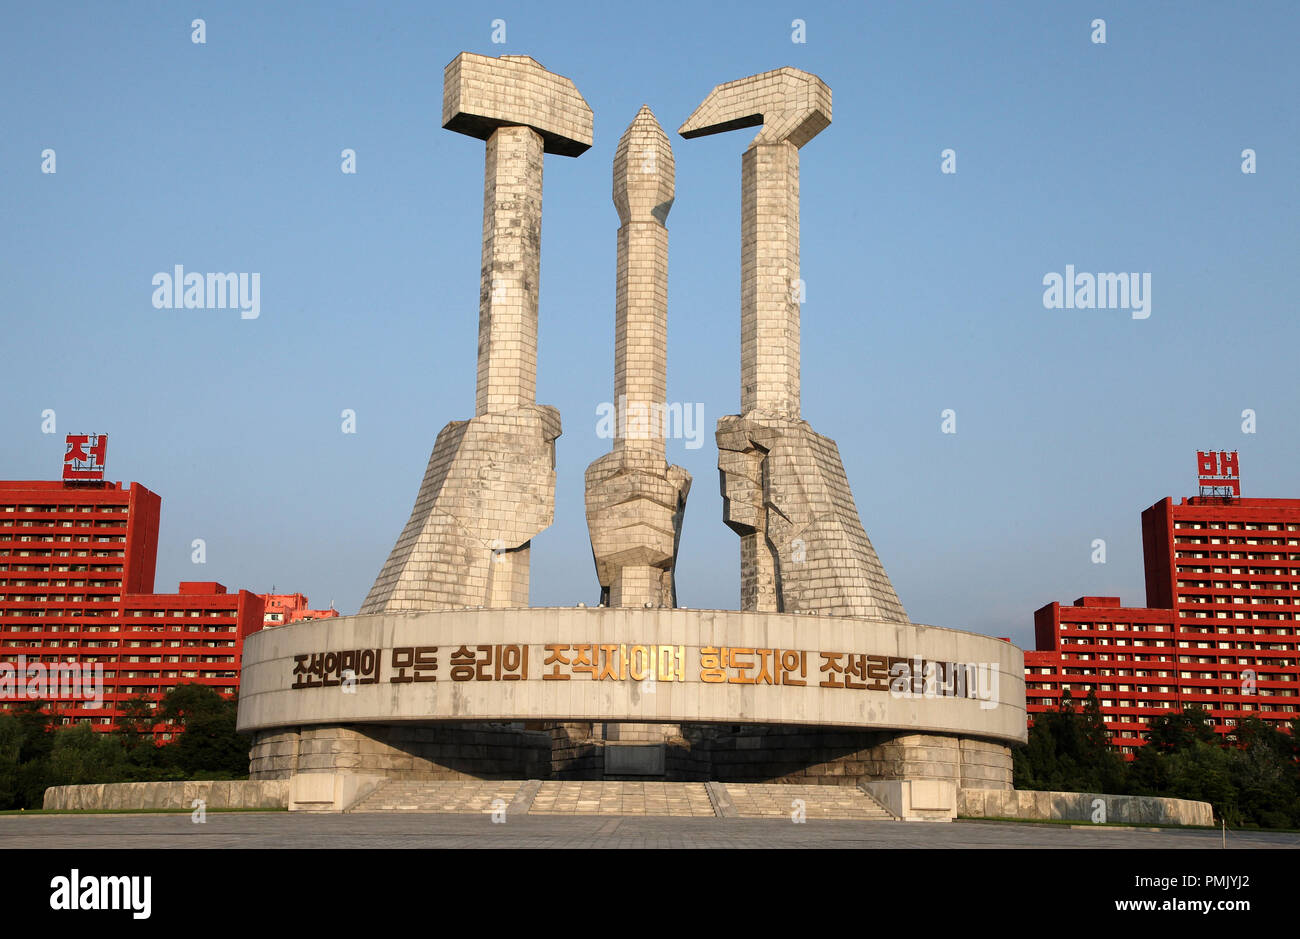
(399, 751)
(576, 750)
(783, 754)
(984, 765)
(1081, 807)
(815, 756)
(215, 794)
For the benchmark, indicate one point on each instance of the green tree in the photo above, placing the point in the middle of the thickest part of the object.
(33, 753)
(35, 722)
(1149, 773)
(11, 743)
(210, 746)
(1102, 764)
(135, 722)
(1180, 730)
(1264, 774)
(181, 703)
(1069, 751)
(1201, 771)
(80, 756)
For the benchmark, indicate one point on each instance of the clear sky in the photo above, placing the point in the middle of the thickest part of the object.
(924, 289)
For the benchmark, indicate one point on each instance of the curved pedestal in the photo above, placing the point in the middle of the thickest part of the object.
(542, 693)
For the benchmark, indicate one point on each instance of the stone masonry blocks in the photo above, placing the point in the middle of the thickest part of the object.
(490, 483)
(508, 284)
(803, 546)
(488, 489)
(793, 106)
(635, 499)
(482, 93)
(785, 492)
(443, 751)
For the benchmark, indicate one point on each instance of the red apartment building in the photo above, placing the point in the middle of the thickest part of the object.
(285, 608)
(1218, 629)
(194, 635)
(76, 587)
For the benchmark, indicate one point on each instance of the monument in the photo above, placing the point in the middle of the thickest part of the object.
(446, 672)
(635, 500)
(803, 548)
(490, 483)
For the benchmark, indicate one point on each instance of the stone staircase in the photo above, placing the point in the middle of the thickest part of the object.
(623, 798)
(687, 800)
(469, 796)
(776, 801)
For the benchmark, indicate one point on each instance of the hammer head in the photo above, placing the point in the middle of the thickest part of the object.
(789, 104)
(481, 93)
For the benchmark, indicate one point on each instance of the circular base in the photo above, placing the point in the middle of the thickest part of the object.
(642, 666)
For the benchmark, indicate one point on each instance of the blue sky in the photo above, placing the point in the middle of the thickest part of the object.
(924, 289)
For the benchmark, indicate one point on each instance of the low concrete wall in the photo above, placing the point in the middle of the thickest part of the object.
(330, 792)
(1081, 807)
(915, 800)
(216, 794)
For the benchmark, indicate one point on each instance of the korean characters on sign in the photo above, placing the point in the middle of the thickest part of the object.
(615, 662)
(1219, 470)
(84, 457)
(336, 669)
(589, 661)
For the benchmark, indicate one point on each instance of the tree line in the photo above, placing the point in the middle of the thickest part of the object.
(37, 751)
(1253, 781)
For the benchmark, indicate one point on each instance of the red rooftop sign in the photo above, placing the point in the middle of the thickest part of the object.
(1218, 473)
(84, 457)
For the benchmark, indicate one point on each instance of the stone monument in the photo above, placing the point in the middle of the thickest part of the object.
(447, 673)
(490, 483)
(802, 546)
(635, 499)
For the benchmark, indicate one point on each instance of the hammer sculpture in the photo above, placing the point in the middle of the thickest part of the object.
(490, 483)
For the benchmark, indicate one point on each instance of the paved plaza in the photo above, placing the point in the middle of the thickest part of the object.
(408, 830)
